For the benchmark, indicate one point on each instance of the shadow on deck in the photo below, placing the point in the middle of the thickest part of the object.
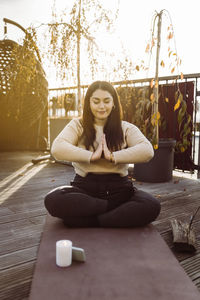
(22, 216)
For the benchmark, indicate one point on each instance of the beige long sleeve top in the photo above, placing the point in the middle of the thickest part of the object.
(68, 146)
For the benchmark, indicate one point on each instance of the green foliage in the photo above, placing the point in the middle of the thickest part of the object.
(184, 122)
(145, 118)
(143, 114)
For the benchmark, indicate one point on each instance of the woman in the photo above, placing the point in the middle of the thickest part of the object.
(101, 146)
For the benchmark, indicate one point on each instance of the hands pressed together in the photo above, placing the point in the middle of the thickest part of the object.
(102, 148)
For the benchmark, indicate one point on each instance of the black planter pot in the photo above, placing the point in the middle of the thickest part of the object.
(160, 167)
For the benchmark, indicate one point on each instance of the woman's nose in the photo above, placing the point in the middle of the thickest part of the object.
(101, 104)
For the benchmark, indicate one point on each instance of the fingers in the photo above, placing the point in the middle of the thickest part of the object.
(102, 147)
(98, 152)
(106, 151)
(105, 147)
(103, 141)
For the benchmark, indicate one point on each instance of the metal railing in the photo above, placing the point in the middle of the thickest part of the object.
(63, 103)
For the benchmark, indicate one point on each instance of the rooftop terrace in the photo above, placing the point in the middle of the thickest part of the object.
(23, 186)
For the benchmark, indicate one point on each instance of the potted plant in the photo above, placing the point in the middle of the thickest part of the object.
(152, 117)
(158, 128)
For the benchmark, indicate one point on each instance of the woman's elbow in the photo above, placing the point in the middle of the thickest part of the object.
(55, 151)
(149, 153)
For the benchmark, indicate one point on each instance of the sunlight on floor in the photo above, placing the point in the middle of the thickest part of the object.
(15, 174)
(186, 175)
(18, 179)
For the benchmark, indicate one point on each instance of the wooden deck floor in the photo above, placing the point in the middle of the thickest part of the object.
(22, 215)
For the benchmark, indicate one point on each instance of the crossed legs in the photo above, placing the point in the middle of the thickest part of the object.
(79, 209)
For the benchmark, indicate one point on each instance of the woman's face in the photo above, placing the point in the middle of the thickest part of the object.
(101, 104)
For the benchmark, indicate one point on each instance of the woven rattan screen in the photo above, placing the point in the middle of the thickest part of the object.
(23, 100)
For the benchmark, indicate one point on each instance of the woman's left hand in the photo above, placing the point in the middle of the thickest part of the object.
(106, 151)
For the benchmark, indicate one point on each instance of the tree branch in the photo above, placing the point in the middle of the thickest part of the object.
(57, 24)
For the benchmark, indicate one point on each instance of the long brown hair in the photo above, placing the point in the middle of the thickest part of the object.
(112, 128)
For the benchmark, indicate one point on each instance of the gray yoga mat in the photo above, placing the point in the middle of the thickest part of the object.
(121, 264)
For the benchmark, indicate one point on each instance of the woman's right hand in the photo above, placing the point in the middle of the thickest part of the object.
(98, 152)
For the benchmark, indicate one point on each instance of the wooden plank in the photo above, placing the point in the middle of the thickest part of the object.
(15, 282)
(19, 257)
(22, 234)
(19, 291)
(191, 266)
(20, 225)
(22, 215)
(21, 243)
(24, 206)
(5, 211)
(184, 198)
(169, 188)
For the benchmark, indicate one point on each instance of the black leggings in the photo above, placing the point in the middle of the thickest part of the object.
(102, 200)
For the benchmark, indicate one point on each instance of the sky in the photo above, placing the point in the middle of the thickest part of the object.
(132, 27)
